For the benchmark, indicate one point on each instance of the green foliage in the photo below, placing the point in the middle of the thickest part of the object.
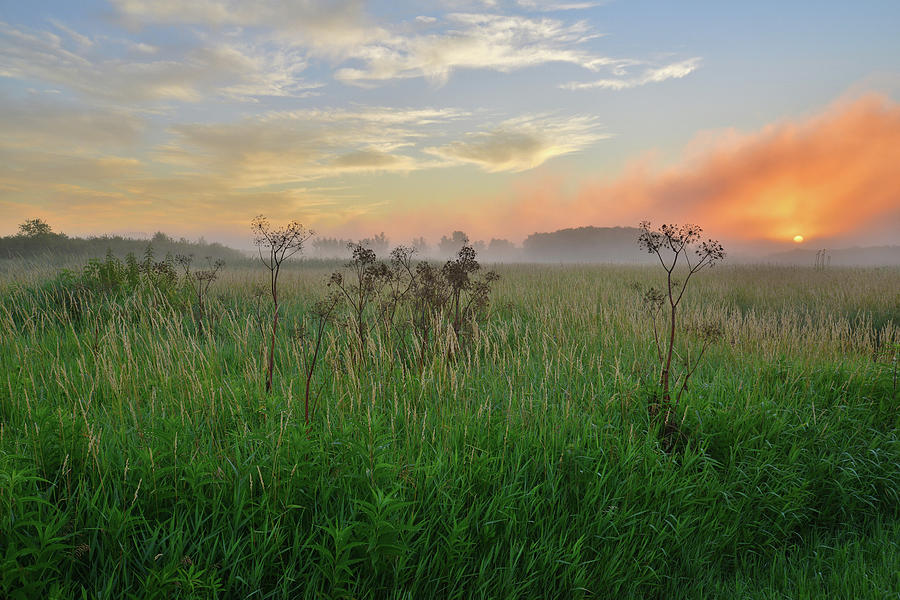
(139, 459)
(112, 276)
(33, 542)
(33, 228)
(36, 239)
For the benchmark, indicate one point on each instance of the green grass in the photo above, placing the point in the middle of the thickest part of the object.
(138, 459)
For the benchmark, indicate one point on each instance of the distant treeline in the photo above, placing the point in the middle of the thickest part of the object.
(36, 239)
(585, 244)
(582, 244)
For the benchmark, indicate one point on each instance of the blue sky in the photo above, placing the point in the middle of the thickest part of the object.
(131, 115)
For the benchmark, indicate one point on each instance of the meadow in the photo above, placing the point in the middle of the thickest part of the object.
(141, 457)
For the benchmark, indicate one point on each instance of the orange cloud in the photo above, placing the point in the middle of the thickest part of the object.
(832, 177)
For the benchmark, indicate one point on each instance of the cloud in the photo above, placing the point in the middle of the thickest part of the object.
(51, 145)
(363, 52)
(653, 75)
(49, 123)
(522, 144)
(92, 193)
(529, 5)
(291, 146)
(475, 41)
(281, 148)
(329, 26)
(366, 159)
(549, 6)
(832, 178)
(58, 157)
(229, 69)
(81, 40)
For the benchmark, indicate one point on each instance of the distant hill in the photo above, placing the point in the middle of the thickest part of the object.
(841, 257)
(585, 244)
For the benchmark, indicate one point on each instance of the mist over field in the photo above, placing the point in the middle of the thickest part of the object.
(616, 245)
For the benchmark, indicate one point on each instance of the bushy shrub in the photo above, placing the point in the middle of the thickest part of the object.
(103, 284)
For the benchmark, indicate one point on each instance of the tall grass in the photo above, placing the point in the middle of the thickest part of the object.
(138, 458)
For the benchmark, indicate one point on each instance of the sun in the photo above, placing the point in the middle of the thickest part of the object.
(798, 238)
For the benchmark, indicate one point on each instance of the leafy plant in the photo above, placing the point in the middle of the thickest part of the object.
(385, 528)
(337, 559)
(33, 542)
(468, 295)
(367, 278)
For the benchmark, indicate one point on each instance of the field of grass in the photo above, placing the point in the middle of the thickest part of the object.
(141, 459)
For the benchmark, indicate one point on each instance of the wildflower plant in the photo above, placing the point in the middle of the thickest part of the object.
(275, 245)
(199, 281)
(468, 295)
(362, 287)
(680, 252)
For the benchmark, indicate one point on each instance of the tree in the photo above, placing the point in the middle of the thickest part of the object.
(35, 228)
(419, 245)
(276, 245)
(378, 242)
(500, 249)
(451, 245)
(330, 247)
(672, 245)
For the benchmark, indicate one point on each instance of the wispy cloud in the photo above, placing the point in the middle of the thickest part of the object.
(675, 70)
(528, 5)
(292, 146)
(523, 143)
(328, 25)
(221, 68)
(551, 5)
(277, 40)
(343, 31)
(475, 41)
(58, 125)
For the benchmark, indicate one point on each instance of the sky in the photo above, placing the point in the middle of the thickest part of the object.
(759, 121)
